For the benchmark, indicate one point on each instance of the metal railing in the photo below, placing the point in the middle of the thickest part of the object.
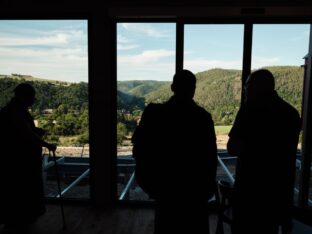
(127, 188)
(225, 169)
(61, 161)
(229, 175)
(75, 182)
(309, 200)
(50, 164)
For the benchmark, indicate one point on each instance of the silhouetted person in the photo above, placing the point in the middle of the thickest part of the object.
(21, 196)
(176, 158)
(264, 137)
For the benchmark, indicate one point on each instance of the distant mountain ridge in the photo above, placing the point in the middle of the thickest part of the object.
(32, 78)
(50, 94)
(218, 90)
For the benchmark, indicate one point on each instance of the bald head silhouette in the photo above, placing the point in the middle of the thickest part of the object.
(184, 84)
(259, 85)
(25, 94)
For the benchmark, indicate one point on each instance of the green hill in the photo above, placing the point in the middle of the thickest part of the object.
(61, 107)
(219, 90)
(31, 78)
(140, 88)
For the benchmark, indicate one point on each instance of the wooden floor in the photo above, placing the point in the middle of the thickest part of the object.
(89, 220)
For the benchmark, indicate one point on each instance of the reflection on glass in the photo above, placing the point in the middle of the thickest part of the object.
(145, 67)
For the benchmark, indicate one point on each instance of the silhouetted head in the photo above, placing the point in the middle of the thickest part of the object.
(184, 84)
(25, 94)
(259, 85)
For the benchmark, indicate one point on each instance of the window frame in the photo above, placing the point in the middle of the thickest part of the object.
(248, 23)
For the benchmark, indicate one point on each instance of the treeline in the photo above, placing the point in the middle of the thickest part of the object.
(217, 90)
(61, 108)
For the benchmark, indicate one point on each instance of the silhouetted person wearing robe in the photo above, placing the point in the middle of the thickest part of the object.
(21, 196)
(265, 138)
(176, 159)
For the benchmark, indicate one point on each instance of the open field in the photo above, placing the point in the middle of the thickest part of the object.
(223, 130)
(70, 151)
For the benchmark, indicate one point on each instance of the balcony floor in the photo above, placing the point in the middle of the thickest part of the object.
(82, 219)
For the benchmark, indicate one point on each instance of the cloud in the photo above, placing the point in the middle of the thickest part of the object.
(162, 71)
(55, 38)
(67, 64)
(126, 47)
(145, 57)
(203, 64)
(259, 62)
(58, 54)
(122, 39)
(148, 65)
(123, 43)
(146, 30)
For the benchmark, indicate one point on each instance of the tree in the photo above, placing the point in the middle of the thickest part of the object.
(121, 132)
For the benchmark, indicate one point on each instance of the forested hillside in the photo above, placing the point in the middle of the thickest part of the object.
(218, 91)
(61, 108)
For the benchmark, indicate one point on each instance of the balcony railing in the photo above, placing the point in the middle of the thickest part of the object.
(222, 157)
(75, 167)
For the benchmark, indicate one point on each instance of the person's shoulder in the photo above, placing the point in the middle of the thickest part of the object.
(202, 111)
(289, 115)
(153, 109)
(153, 105)
(288, 109)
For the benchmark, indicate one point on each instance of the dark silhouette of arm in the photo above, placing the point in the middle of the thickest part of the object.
(236, 144)
(211, 157)
(27, 133)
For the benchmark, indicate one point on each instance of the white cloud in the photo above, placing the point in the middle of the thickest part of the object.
(122, 39)
(145, 57)
(126, 47)
(55, 38)
(57, 54)
(67, 64)
(162, 71)
(259, 62)
(148, 65)
(203, 64)
(146, 30)
(123, 43)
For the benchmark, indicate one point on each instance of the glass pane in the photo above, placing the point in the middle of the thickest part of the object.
(281, 49)
(51, 55)
(145, 67)
(215, 54)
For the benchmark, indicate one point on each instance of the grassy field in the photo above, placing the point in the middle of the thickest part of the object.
(68, 140)
(223, 130)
